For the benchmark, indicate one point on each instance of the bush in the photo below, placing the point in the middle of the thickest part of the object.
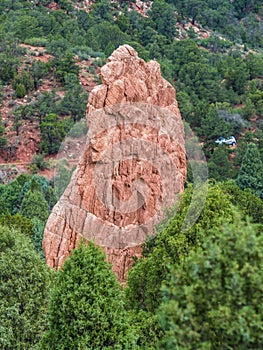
(20, 90)
(39, 162)
(36, 41)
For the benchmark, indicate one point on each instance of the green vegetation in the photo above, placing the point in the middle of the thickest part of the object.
(53, 132)
(24, 290)
(3, 139)
(198, 288)
(218, 76)
(213, 299)
(251, 171)
(87, 293)
(25, 205)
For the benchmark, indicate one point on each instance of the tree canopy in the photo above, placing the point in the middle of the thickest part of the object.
(86, 309)
(24, 290)
(213, 299)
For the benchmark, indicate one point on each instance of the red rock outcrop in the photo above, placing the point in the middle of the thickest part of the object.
(132, 167)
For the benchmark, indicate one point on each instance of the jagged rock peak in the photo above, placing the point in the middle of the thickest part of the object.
(128, 78)
(133, 165)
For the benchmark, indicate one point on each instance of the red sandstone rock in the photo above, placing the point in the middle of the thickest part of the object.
(133, 165)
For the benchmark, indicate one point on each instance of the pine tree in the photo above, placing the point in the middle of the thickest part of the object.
(168, 247)
(86, 310)
(34, 205)
(3, 140)
(24, 291)
(219, 165)
(251, 171)
(20, 90)
(213, 300)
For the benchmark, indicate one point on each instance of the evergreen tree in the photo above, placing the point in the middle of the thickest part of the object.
(64, 66)
(86, 310)
(170, 246)
(245, 201)
(20, 90)
(34, 205)
(219, 165)
(24, 290)
(53, 132)
(251, 171)
(213, 300)
(3, 140)
(10, 197)
(38, 70)
(75, 99)
(164, 18)
(17, 222)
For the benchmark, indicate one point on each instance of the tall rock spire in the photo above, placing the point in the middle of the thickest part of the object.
(133, 165)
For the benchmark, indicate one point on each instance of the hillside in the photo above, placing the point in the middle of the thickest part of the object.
(44, 42)
(196, 283)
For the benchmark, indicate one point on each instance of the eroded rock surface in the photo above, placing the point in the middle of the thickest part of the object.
(132, 167)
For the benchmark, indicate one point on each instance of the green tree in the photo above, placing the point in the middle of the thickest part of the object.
(10, 197)
(251, 172)
(162, 14)
(201, 80)
(20, 90)
(170, 246)
(195, 8)
(38, 70)
(45, 104)
(24, 291)
(38, 231)
(75, 99)
(27, 27)
(3, 140)
(17, 222)
(38, 162)
(237, 75)
(254, 65)
(8, 66)
(23, 79)
(213, 300)
(244, 200)
(105, 33)
(213, 126)
(86, 310)
(101, 11)
(53, 132)
(182, 53)
(34, 205)
(65, 65)
(219, 165)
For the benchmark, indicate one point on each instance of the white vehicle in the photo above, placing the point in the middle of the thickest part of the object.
(228, 141)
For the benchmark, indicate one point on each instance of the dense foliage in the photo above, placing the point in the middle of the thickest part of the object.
(213, 300)
(86, 309)
(251, 171)
(195, 288)
(25, 205)
(171, 245)
(218, 75)
(24, 291)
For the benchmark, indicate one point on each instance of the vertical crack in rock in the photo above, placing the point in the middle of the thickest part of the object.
(133, 166)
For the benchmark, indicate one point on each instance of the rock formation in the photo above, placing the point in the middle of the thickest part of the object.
(132, 167)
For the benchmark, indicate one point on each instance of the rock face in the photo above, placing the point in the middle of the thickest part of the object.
(132, 167)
